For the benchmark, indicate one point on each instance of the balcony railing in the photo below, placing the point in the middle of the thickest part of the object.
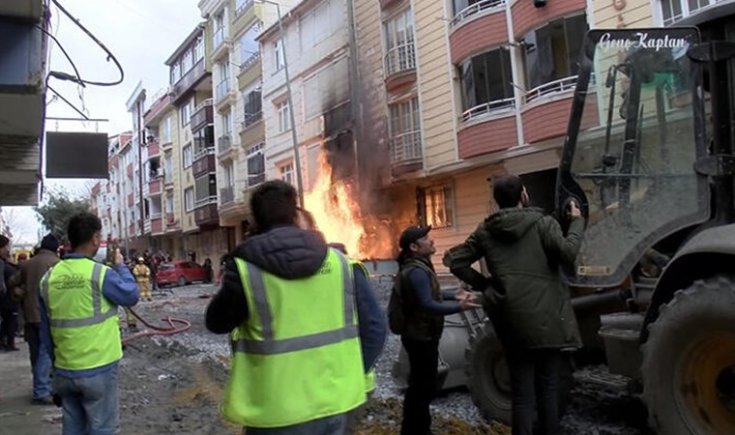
(212, 199)
(250, 61)
(406, 147)
(202, 153)
(219, 37)
(474, 9)
(400, 58)
(222, 91)
(227, 194)
(224, 144)
(566, 84)
(492, 107)
(156, 215)
(251, 118)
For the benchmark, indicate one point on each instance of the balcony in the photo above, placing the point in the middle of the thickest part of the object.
(477, 28)
(250, 70)
(205, 213)
(400, 66)
(187, 83)
(131, 200)
(227, 195)
(242, 7)
(202, 116)
(251, 119)
(527, 17)
(171, 220)
(131, 229)
(405, 152)
(385, 4)
(156, 223)
(222, 91)
(204, 163)
(129, 170)
(155, 186)
(218, 38)
(224, 144)
(548, 118)
(487, 128)
(168, 179)
(154, 148)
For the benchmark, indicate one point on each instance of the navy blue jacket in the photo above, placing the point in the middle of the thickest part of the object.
(292, 253)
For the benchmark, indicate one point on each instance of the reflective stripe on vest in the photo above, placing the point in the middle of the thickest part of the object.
(269, 346)
(97, 317)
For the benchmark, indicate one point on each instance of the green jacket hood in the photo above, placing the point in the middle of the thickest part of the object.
(510, 224)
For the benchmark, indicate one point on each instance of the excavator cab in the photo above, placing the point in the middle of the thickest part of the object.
(636, 129)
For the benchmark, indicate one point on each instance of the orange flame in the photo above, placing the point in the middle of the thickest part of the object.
(339, 217)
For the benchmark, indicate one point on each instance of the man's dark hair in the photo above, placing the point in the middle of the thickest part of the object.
(82, 228)
(274, 203)
(4, 241)
(507, 190)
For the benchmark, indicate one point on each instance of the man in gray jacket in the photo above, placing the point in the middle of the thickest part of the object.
(29, 278)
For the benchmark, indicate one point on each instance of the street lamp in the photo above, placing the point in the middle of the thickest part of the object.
(294, 138)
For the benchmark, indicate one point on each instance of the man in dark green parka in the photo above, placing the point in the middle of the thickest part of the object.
(526, 298)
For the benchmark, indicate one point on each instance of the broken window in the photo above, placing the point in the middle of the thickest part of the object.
(436, 206)
(552, 52)
(486, 79)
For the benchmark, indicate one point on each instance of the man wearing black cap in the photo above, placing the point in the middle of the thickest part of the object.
(424, 307)
(29, 278)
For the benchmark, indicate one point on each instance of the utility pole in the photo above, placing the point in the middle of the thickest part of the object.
(294, 137)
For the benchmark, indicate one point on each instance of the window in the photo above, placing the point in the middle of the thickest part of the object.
(285, 172)
(253, 107)
(399, 43)
(205, 188)
(186, 112)
(552, 52)
(166, 131)
(405, 131)
(186, 155)
(675, 10)
(280, 55)
(436, 206)
(223, 87)
(284, 118)
(219, 28)
(227, 123)
(329, 85)
(169, 203)
(199, 50)
(229, 178)
(168, 172)
(321, 22)
(256, 165)
(486, 78)
(189, 199)
(249, 46)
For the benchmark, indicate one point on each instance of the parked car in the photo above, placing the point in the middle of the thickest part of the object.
(180, 273)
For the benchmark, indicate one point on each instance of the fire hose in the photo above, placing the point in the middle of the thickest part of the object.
(157, 330)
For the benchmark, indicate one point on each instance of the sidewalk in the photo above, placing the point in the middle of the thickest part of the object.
(17, 415)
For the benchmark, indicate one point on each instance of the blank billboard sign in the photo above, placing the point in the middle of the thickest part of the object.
(76, 155)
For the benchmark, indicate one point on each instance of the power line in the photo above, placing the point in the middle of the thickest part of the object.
(110, 56)
(63, 50)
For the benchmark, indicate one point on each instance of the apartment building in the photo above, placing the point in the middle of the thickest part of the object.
(135, 155)
(191, 98)
(233, 27)
(108, 197)
(316, 44)
(162, 176)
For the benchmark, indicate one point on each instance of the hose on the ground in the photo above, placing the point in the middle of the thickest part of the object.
(158, 330)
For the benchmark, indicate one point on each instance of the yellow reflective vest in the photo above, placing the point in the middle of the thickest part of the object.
(84, 324)
(297, 358)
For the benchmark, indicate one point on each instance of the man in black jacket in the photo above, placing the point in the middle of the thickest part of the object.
(424, 305)
(529, 303)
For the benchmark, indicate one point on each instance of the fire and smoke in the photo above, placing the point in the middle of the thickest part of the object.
(339, 217)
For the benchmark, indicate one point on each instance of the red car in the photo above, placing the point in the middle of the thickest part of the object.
(180, 273)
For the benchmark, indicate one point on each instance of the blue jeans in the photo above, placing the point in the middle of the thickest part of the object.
(333, 425)
(40, 362)
(90, 405)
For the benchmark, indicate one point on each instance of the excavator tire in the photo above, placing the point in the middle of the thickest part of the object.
(488, 377)
(688, 367)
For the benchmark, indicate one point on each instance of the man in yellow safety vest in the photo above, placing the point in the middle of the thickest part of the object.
(79, 328)
(305, 325)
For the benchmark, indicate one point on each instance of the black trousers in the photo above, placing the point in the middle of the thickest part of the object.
(8, 327)
(535, 380)
(423, 359)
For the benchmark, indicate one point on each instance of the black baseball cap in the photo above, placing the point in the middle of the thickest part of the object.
(411, 235)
